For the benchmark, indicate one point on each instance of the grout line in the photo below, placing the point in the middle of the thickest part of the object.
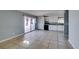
(48, 44)
(57, 40)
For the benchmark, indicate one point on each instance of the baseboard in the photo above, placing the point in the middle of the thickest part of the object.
(14, 36)
(29, 32)
(71, 44)
(11, 37)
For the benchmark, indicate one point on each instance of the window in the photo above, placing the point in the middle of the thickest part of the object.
(60, 20)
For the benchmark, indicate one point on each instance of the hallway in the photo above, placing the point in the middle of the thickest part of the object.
(38, 39)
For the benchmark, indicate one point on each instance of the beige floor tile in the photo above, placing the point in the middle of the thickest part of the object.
(53, 45)
(38, 39)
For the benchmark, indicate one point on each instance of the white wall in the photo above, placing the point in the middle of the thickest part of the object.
(41, 23)
(11, 23)
(74, 28)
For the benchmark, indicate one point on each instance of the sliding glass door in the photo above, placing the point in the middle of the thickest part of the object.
(33, 22)
(29, 24)
(26, 24)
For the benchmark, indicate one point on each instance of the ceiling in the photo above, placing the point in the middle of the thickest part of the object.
(44, 12)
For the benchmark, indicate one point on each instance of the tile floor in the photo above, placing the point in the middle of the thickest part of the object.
(38, 39)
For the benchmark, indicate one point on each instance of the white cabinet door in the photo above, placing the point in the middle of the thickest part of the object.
(60, 27)
(53, 27)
